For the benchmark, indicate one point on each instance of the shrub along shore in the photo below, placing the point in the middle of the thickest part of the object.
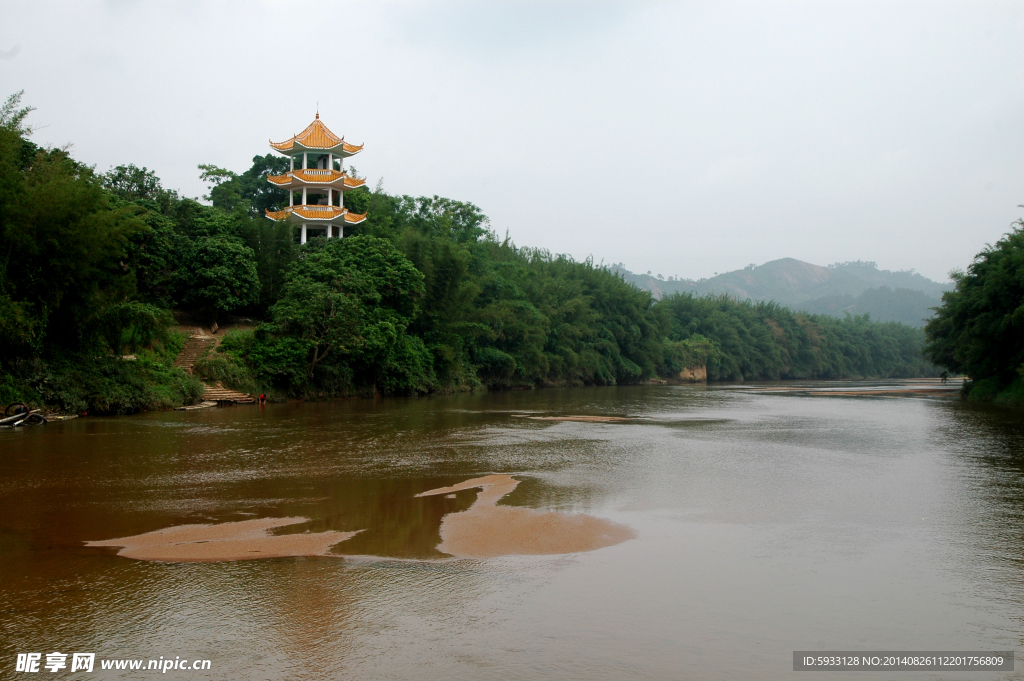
(422, 297)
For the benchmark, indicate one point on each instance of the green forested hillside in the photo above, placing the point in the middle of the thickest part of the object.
(883, 304)
(855, 288)
(422, 297)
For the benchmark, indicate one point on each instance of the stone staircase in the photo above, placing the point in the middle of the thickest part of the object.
(218, 393)
(197, 346)
(194, 348)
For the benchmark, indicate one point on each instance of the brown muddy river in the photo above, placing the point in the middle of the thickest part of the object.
(701, 534)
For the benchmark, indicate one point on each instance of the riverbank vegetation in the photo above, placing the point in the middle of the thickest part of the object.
(423, 297)
(765, 341)
(979, 329)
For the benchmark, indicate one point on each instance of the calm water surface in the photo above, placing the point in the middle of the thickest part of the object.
(765, 524)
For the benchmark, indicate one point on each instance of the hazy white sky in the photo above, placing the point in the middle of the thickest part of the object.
(681, 138)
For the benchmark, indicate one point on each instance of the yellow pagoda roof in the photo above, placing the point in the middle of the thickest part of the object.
(316, 136)
(316, 176)
(317, 213)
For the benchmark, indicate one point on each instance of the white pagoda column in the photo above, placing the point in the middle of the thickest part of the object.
(330, 161)
(291, 198)
(303, 196)
(292, 167)
(330, 196)
(305, 159)
(302, 238)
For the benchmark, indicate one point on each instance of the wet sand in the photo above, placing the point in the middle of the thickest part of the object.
(939, 391)
(243, 540)
(912, 387)
(886, 393)
(487, 530)
(584, 419)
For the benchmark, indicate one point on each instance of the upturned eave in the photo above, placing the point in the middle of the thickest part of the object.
(317, 178)
(317, 214)
(317, 138)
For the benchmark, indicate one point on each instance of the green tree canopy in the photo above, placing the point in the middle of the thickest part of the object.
(249, 190)
(352, 300)
(63, 246)
(979, 329)
(13, 118)
(218, 275)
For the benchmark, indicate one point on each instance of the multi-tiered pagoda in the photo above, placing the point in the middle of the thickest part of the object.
(322, 211)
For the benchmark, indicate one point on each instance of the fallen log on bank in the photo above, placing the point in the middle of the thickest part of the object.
(31, 418)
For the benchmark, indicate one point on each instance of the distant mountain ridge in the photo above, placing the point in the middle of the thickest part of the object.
(851, 287)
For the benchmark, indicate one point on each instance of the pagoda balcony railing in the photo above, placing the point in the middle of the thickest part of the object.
(319, 207)
(314, 171)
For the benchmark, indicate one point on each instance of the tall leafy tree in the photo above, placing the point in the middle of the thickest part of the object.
(63, 246)
(979, 328)
(218, 275)
(250, 189)
(352, 301)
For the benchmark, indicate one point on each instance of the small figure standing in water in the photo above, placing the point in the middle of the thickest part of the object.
(262, 399)
(944, 376)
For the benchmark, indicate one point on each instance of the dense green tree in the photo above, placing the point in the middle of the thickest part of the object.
(218, 275)
(321, 305)
(131, 326)
(979, 329)
(352, 301)
(133, 184)
(275, 250)
(63, 246)
(154, 253)
(12, 118)
(250, 190)
(69, 279)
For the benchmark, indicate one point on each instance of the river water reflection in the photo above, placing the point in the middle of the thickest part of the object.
(765, 523)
